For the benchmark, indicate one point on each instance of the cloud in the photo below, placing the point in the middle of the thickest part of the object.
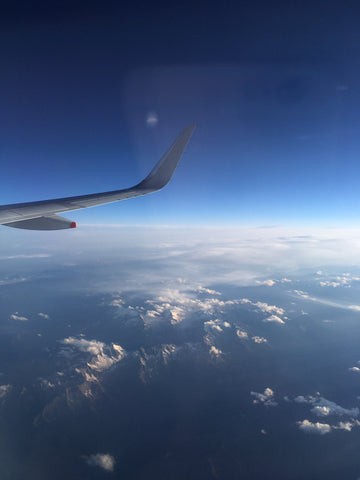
(323, 428)
(314, 428)
(102, 460)
(4, 389)
(152, 119)
(241, 333)
(257, 339)
(44, 315)
(275, 319)
(268, 283)
(36, 255)
(264, 307)
(354, 369)
(266, 398)
(323, 407)
(91, 346)
(207, 290)
(16, 316)
(216, 325)
(354, 307)
(104, 356)
(215, 352)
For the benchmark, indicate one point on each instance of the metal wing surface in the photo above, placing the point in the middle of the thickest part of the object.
(42, 215)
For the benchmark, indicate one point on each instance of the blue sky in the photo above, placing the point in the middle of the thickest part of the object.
(273, 90)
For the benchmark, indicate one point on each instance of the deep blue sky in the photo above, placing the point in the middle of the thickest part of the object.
(272, 86)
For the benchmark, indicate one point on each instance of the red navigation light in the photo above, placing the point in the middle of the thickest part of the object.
(73, 225)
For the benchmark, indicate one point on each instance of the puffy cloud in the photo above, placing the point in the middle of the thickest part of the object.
(305, 295)
(44, 315)
(4, 389)
(266, 398)
(354, 369)
(275, 319)
(215, 352)
(91, 346)
(264, 307)
(268, 283)
(323, 407)
(344, 280)
(16, 316)
(315, 428)
(207, 290)
(257, 339)
(102, 460)
(347, 426)
(103, 356)
(241, 333)
(216, 325)
(180, 304)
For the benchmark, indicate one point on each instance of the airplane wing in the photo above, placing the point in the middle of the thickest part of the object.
(42, 215)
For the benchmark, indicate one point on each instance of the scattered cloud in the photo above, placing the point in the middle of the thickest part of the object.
(207, 290)
(44, 315)
(4, 389)
(266, 398)
(275, 319)
(22, 256)
(264, 307)
(314, 428)
(16, 316)
(354, 307)
(323, 407)
(257, 339)
(268, 283)
(216, 325)
(152, 119)
(241, 334)
(354, 369)
(102, 460)
(104, 356)
(215, 352)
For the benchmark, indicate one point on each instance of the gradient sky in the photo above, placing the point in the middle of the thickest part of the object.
(272, 86)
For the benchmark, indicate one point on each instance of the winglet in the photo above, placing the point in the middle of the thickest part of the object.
(164, 169)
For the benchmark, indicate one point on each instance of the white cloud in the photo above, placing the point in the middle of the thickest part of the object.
(268, 283)
(316, 428)
(264, 307)
(216, 325)
(44, 315)
(36, 255)
(347, 426)
(354, 369)
(266, 398)
(103, 356)
(4, 389)
(16, 316)
(102, 460)
(275, 319)
(91, 346)
(354, 307)
(152, 119)
(215, 352)
(257, 339)
(241, 333)
(207, 290)
(323, 407)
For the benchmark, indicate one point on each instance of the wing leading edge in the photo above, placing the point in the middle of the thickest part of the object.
(42, 215)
